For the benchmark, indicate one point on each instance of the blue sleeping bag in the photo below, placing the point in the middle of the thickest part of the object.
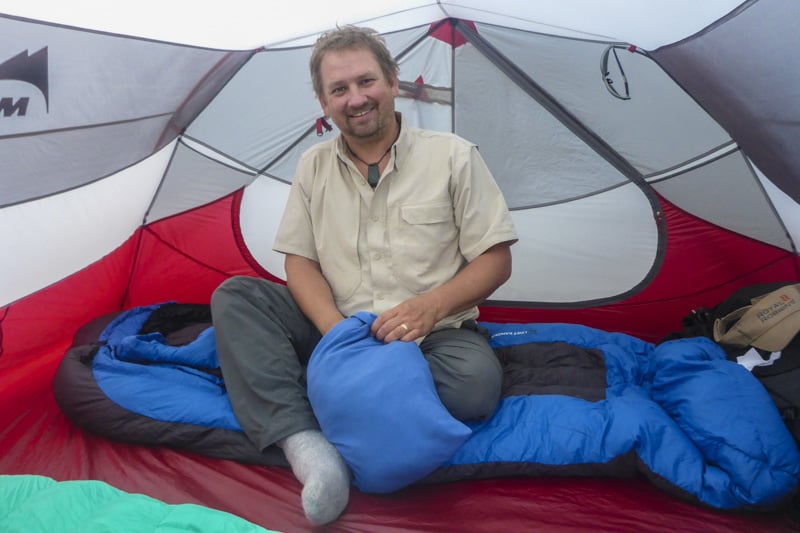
(698, 426)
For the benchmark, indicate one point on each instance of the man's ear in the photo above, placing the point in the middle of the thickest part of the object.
(323, 104)
(394, 83)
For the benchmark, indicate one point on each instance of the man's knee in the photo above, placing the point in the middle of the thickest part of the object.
(234, 286)
(245, 288)
(475, 394)
(467, 374)
(227, 289)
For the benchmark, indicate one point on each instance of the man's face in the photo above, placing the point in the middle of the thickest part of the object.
(355, 93)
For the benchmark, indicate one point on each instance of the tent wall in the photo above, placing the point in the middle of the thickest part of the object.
(751, 86)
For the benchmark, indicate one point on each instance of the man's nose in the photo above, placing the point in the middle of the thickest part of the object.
(357, 97)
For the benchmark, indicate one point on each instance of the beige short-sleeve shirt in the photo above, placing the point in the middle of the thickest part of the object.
(435, 208)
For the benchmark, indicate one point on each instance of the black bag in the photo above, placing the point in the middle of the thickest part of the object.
(781, 377)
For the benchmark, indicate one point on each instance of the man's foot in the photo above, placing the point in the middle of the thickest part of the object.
(320, 468)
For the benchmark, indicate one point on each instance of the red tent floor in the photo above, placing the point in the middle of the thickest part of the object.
(42, 441)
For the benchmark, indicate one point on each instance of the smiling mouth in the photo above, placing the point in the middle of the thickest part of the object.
(361, 114)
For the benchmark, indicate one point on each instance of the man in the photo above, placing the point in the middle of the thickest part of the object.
(405, 223)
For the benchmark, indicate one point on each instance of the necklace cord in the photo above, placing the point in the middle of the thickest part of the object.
(373, 172)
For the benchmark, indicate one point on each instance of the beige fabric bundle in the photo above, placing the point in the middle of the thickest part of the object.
(770, 322)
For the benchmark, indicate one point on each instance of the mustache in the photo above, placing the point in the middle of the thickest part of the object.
(361, 109)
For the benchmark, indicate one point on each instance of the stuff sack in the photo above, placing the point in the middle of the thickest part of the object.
(377, 403)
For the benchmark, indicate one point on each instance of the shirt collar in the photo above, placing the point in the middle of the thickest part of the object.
(401, 145)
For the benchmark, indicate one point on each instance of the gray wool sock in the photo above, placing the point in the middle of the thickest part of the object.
(320, 468)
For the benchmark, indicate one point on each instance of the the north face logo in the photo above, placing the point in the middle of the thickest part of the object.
(31, 69)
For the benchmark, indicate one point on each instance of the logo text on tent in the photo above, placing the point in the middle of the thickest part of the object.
(26, 68)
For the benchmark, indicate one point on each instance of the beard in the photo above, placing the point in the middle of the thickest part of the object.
(368, 129)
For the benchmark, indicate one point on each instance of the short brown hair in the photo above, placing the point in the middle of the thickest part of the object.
(349, 38)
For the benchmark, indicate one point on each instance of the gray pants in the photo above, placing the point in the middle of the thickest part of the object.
(264, 343)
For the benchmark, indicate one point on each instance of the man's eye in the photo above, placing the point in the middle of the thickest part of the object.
(337, 90)
(367, 81)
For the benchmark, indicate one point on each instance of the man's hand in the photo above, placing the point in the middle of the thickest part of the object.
(408, 321)
(417, 316)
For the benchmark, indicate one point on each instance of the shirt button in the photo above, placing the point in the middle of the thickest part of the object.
(379, 296)
(377, 256)
(375, 219)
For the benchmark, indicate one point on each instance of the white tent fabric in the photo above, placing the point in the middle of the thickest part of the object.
(204, 101)
(248, 24)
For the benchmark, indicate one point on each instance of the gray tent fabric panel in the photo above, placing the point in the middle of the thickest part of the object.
(193, 180)
(755, 100)
(283, 168)
(49, 163)
(550, 164)
(101, 89)
(262, 110)
(738, 204)
(658, 128)
(97, 78)
(401, 42)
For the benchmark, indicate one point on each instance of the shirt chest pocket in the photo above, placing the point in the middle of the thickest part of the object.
(426, 214)
(424, 244)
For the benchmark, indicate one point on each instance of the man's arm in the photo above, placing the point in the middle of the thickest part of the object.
(311, 292)
(471, 286)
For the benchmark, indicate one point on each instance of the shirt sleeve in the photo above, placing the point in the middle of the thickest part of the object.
(481, 212)
(295, 233)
